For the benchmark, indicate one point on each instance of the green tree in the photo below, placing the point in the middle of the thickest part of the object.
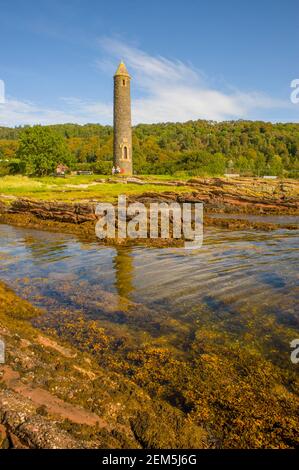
(193, 147)
(260, 164)
(276, 166)
(243, 164)
(41, 149)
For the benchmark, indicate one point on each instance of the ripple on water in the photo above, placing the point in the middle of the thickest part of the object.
(233, 274)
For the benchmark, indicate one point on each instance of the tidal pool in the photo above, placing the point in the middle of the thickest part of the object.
(207, 331)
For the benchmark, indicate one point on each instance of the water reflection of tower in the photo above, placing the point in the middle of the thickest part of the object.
(124, 272)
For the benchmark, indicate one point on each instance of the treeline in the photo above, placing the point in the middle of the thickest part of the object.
(193, 148)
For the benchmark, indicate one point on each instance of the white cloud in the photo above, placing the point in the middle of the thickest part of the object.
(166, 90)
(174, 91)
(2, 92)
(73, 110)
(16, 112)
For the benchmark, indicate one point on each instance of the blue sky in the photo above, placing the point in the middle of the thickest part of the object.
(188, 59)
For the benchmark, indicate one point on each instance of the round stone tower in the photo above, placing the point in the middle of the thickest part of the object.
(122, 143)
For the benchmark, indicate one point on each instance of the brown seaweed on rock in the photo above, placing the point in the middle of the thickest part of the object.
(46, 401)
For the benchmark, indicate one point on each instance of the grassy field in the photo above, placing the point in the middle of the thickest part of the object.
(73, 188)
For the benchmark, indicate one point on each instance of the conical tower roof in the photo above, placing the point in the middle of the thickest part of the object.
(122, 70)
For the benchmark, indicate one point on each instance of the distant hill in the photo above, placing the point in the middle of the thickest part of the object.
(194, 147)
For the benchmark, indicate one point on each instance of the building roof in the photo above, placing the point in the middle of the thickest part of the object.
(122, 70)
(61, 166)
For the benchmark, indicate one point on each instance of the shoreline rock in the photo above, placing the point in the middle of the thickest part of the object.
(53, 395)
(219, 195)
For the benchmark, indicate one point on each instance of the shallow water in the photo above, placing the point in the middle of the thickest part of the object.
(207, 331)
(234, 276)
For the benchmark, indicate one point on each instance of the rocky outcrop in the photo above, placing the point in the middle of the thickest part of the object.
(60, 211)
(23, 427)
(219, 195)
(53, 395)
(236, 195)
(254, 196)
